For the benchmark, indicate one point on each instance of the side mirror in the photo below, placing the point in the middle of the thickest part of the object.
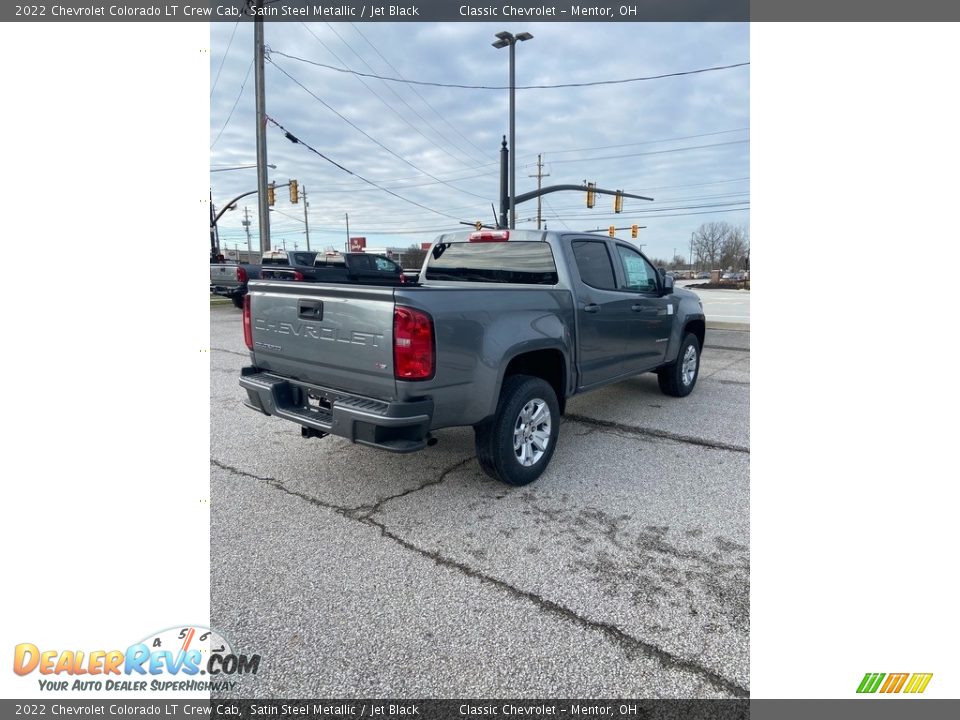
(667, 284)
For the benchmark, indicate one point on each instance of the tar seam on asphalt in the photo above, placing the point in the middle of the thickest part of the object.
(726, 347)
(619, 637)
(653, 432)
(232, 352)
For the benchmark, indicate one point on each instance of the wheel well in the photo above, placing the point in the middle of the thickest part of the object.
(546, 364)
(698, 328)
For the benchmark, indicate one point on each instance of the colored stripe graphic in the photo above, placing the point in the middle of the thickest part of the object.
(870, 682)
(918, 683)
(894, 682)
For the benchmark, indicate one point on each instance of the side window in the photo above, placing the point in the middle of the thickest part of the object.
(639, 274)
(593, 262)
(385, 265)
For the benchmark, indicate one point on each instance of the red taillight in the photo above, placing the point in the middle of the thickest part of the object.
(241, 275)
(297, 275)
(413, 354)
(247, 326)
(490, 236)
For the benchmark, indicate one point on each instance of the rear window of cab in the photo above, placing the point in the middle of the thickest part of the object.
(525, 263)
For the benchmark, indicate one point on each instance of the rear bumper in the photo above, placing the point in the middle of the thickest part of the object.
(394, 426)
(227, 291)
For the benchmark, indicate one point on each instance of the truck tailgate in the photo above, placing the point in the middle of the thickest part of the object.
(334, 336)
(224, 275)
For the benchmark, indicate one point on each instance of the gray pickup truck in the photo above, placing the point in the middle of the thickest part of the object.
(503, 327)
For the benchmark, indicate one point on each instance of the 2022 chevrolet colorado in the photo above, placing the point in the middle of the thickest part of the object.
(503, 327)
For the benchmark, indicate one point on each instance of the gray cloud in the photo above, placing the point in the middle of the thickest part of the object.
(454, 134)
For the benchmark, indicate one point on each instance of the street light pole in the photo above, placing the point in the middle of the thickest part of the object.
(306, 220)
(506, 39)
(262, 205)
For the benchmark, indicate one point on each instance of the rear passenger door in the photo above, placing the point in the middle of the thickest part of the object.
(650, 317)
(603, 312)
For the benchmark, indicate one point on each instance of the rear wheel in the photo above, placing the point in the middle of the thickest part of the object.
(515, 446)
(679, 377)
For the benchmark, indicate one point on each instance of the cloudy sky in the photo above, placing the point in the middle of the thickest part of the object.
(682, 140)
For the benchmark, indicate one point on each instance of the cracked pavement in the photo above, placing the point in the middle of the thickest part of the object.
(622, 572)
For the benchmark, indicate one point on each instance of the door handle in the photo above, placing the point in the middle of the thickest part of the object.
(310, 310)
(591, 308)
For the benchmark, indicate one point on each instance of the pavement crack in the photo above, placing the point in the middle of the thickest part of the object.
(612, 632)
(369, 510)
(347, 512)
(626, 642)
(653, 432)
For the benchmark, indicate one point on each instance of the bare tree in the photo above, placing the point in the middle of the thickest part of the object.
(733, 252)
(413, 257)
(708, 242)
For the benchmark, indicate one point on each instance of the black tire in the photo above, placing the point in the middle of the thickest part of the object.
(237, 301)
(672, 378)
(494, 438)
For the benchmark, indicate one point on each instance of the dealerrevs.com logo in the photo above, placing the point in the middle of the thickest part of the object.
(182, 659)
(894, 683)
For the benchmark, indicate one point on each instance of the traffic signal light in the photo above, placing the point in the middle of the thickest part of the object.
(618, 202)
(634, 231)
(294, 192)
(612, 230)
(478, 225)
(591, 195)
(271, 197)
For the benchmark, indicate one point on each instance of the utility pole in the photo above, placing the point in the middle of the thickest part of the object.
(261, 114)
(246, 226)
(213, 231)
(539, 176)
(306, 221)
(347, 245)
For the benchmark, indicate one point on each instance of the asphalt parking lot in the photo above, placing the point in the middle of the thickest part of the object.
(622, 572)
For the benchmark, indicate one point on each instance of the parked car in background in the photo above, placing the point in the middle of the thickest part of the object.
(704, 275)
(230, 279)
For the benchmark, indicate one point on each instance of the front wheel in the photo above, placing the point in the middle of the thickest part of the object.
(237, 301)
(515, 446)
(679, 377)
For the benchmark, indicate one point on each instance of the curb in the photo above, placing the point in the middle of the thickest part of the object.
(716, 325)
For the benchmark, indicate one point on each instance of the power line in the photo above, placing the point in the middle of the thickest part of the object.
(604, 218)
(292, 138)
(532, 157)
(239, 95)
(415, 91)
(647, 142)
(381, 98)
(370, 137)
(651, 152)
(507, 87)
(466, 154)
(224, 58)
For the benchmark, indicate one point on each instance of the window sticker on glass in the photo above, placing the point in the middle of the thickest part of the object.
(636, 271)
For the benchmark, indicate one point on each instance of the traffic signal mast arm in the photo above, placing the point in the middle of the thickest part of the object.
(582, 188)
(238, 197)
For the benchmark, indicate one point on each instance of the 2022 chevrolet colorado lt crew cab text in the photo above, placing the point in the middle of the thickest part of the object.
(503, 327)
